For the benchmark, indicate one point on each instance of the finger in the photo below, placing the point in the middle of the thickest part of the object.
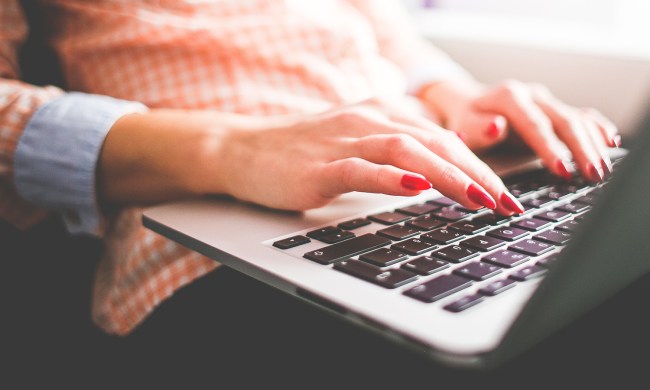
(607, 128)
(406, 152)
(514, 102)
(455, 151)
(459, 154)
(478, 130)
(356, 174)
(574, 131)
(599, 143)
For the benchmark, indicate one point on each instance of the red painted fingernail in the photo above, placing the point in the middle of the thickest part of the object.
(607, 166)
(493, 130)
(511, 203)
(595, 174)
(478, 195)
(414, 182)
(562, 170)
(616, 140)
(462, 138)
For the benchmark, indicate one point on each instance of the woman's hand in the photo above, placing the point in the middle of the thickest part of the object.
(557, 132)
(293, 162)
(306, 161)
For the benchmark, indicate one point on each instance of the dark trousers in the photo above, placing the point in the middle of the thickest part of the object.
(227, 328)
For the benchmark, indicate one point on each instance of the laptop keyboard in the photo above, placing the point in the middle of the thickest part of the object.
(437, 249)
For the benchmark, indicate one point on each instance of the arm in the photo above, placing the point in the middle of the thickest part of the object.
(49, 141)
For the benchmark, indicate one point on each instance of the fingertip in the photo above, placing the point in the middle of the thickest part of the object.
(478, 195)
(496, 127)
(415, 182)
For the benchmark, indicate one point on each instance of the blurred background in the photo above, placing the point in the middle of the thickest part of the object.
(590, 53)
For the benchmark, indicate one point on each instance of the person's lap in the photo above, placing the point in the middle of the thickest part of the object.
(229, 327)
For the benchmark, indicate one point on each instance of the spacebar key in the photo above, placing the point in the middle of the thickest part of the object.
(346, 249)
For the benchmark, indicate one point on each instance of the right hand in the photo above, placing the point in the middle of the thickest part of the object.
(306, 161)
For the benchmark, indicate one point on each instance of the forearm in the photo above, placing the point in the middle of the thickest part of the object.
(162, 155)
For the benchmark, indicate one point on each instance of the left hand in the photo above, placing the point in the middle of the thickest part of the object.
(557, 132)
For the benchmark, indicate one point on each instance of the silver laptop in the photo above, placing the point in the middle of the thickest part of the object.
(467, 288)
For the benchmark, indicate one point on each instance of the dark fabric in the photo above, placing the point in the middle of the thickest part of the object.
(227, 328)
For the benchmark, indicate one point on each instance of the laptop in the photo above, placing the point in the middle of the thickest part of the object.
(469, 289)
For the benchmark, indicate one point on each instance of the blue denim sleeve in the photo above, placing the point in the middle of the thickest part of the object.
(57, 155)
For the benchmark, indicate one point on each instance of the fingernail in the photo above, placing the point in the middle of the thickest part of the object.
(616, 141)
(511, 203)
(462, 138)
(478, 195)
(595, 174)
(562, 170)
(607, 166)
(414, 182)
(493, 130)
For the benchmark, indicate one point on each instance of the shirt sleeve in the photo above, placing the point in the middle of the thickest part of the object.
(56, 157)
(401, 43)
(49, 141)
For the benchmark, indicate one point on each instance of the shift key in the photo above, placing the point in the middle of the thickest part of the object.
(346, 249)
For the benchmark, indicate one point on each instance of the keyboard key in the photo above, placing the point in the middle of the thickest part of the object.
(558, 193)
(518, 190)
(577, 185)
(391, 278)
(419, 209)
(291, 242)
(528, 273)
(506, 258)
(398, 232)
(483, 243)
(554, 237)
(508, 233)
(497, 287)
(531, 247)
(425, 265)
(574, 208)
(548, 261)
(492, 219)
(568, 226)
(322, 232)
(470, 211)
(443, 201)
(449, 214)
(337, 237)
(477, 271)
(354, 224)
(346, 249)
(469, 227)
(532, 224)
(464, 303)
(438, 288)
(426, 222)
(540, 202)
(554, 215)
(454, 253)
(588, 199)
(389, 218)
(442, 236)
(413, 246)
(383, 257)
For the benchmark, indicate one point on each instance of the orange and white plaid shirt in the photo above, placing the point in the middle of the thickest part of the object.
(257, 57)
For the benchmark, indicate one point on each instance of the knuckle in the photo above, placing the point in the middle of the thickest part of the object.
(347, 171)
(398, 145)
